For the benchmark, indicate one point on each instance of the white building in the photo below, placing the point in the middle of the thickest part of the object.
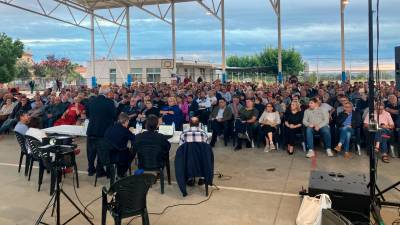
(149, 70)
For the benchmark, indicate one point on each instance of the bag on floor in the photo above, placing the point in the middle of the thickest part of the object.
(310, 212)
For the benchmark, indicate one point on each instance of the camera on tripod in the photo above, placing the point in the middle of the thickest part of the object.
(57, 147)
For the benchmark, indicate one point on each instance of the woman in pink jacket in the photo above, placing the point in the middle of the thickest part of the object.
(184, 107)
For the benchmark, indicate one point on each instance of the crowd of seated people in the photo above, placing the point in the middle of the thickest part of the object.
(257, 114)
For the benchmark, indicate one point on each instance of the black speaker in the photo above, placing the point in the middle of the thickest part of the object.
(332, 217)
(349, 193)
(397, 66)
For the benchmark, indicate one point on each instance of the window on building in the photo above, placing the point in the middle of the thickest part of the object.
(137, 74)
(113, 76)
(202, 71)
(153, 75)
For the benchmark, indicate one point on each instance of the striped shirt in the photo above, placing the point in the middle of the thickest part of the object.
(193, 134)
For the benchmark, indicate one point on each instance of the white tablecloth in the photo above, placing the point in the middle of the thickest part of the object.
(81, 131)
(67, 130)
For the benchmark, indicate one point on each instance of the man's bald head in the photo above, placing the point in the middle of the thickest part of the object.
(194, 122)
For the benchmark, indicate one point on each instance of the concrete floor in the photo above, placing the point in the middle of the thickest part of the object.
(254, 196)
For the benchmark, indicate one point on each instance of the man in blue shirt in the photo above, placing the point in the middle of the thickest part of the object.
(23, 121)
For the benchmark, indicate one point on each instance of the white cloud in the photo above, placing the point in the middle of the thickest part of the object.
(52, 41)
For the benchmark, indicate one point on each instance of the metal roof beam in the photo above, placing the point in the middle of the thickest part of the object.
(82, 8)
(42, 13)
(209, 10)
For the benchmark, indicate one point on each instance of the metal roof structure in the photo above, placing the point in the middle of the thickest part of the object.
(87, 13)
(108, 4)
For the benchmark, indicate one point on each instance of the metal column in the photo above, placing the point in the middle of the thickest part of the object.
(280, 78)
(223, 40)
(92, 48)
(174, 70)
(128, 44)
(342, 6)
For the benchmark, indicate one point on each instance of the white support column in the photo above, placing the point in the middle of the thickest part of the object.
(128, 40)
(279, 41)
(223, 40)
(342, 7)
(92, 45)
(173, 36)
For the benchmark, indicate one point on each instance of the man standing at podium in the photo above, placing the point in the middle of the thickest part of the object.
(101, 113)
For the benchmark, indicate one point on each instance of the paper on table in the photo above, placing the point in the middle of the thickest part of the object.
(166, 130)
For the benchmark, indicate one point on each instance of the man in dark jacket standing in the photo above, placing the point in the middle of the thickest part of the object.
(101, 113)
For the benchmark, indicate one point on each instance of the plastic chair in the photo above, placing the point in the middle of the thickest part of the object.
(128, 198)
(43, 160)
(151, 164)
(110, 166)
(24, 152)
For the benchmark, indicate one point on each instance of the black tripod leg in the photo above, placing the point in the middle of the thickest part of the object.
(388, 189)
(379, 194)
(77, 207)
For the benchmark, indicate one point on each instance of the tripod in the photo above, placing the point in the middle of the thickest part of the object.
(56, 196)
(382, 200)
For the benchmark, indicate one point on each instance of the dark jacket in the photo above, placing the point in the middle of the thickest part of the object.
(152, 149)
(19, 108)
(194, 108)
(102, 114)
(194, 159)
(356, 120)
(118, 136)
(226, 116)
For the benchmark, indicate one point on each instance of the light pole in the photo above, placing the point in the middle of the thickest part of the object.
(276, 4)
(343, 4)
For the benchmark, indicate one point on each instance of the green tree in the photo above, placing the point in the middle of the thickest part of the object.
(73, 75)
(292, 62)
(312, 78)
(10, 51)
(23, 69)
(39, 70)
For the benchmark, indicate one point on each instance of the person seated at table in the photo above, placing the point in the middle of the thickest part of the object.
(384, 132)
(152, 145)
(317, 120)
(172, 114)
(194, 133)
(118, 135)
(71, 115)
(347, 121)
(23, 122)
(148, 110)
(293, 124)
(220, 118)
(269, 121)
(246, 124)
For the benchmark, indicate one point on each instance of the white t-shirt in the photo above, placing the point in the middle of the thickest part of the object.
(326, 107)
